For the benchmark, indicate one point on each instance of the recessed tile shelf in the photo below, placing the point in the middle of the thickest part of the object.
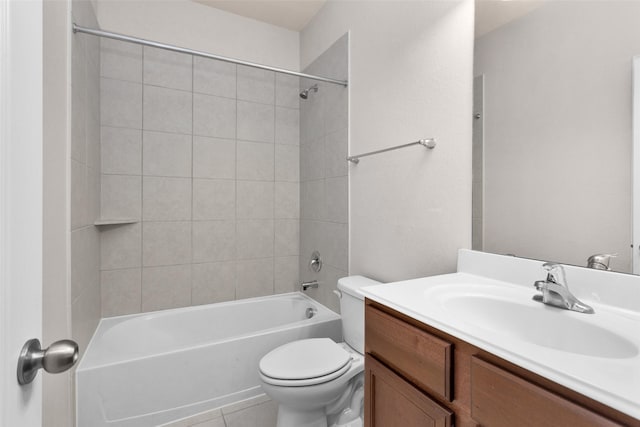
(100, 222)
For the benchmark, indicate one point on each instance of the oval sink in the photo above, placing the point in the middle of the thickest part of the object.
(540, 324)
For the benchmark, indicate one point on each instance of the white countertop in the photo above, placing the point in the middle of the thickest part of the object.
(613, 379)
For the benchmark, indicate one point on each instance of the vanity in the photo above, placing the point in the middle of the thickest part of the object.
(475, 349)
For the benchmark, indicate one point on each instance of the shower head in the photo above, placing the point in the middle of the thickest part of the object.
(305, 93)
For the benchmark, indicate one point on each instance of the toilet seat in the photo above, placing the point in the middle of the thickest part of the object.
(305, 362)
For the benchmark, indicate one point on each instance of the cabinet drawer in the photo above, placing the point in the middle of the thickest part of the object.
(419, 356)
(499, 398)
(390, 401)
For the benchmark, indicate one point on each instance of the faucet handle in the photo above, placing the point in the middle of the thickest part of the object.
(555, 273)
(600, 261)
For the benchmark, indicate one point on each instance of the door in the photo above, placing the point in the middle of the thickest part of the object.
(391, 401)
(20, 204)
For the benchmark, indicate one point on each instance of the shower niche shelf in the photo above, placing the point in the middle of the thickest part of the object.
(122, 221)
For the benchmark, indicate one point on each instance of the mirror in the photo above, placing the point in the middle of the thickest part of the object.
(553, 129)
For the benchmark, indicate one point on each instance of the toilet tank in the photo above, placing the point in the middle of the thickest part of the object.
(352, 309)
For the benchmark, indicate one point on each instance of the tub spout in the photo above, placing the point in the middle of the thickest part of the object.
(310, 284)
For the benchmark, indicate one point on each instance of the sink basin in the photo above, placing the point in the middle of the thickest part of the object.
(512, 313)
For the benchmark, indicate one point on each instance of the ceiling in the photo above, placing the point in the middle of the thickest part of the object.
(291, 14)
(491, 14)
(296, 14)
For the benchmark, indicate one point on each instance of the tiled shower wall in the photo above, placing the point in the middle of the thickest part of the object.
(323, 174)
(85, 178)
(203, 157)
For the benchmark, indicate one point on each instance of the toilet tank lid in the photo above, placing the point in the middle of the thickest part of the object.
(352, 284)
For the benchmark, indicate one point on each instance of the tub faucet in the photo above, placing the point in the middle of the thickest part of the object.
(555, 290)
(310, 284)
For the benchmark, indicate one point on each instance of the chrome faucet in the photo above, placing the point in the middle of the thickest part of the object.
(555, 290)
(310, 284)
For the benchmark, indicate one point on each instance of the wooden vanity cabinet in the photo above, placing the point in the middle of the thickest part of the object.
(416, 375)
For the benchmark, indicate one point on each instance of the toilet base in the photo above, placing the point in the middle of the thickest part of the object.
(291, 418)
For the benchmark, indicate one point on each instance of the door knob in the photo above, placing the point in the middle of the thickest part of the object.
(58, 357)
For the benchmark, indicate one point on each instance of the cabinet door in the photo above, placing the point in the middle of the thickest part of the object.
(501, 399)
(390, 401)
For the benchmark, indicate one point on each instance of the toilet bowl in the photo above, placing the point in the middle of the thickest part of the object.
(318, 382)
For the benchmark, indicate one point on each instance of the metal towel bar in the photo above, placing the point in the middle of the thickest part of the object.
(429, 143)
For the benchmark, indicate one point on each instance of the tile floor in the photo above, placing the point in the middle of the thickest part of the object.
(260, 411)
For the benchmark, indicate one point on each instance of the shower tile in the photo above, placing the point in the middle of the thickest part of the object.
(335, 163)
(287, 91)
(214, 116)
(312, 160)
(120, 60)
(121, 197)
(166, 199)
(214, 77)
(166, 243)
(254, 279)
(121, 246)
(85, 252)
(79, 195)
(287, 200)
(166, 154)
(166, 287)
(336, 108)
(256, 122)
(255, 161)
(337, 191)
(78, 124)
(121, 291)
(167, 110)
(167, 69)
(335, 239)
(93, 200)
(287, 126)
(287, 163)
(312, 117)
(313, 198)
(287, 237)
(121, 151)
(214, 158)
(329, 277)
(311, 239)
(214, 199)
(286, 274)
(214, 241)
(255, 238)
(120, 103)
(85, 312)
(263, 415)
(256, 85)
(213, 282)
(255, 200)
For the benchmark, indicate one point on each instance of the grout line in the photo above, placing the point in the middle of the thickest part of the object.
(142, 183)
(235, 284)
(193, 66)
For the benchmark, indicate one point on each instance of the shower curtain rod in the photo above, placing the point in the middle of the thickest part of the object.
(125, 38)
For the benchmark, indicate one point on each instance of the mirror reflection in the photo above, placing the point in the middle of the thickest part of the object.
(553, 129)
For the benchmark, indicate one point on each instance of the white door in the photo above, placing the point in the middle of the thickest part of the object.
(20, 204)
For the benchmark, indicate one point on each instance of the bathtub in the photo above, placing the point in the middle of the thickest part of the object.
(153, 368)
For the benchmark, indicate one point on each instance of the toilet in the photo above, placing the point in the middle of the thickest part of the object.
(318, 382)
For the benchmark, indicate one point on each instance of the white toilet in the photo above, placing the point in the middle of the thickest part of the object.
(318, 382)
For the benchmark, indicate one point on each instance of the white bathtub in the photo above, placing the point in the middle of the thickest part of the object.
(153, 368)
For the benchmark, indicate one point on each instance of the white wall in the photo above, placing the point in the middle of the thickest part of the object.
(558, 131)
(410, 78)
(192, 25)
